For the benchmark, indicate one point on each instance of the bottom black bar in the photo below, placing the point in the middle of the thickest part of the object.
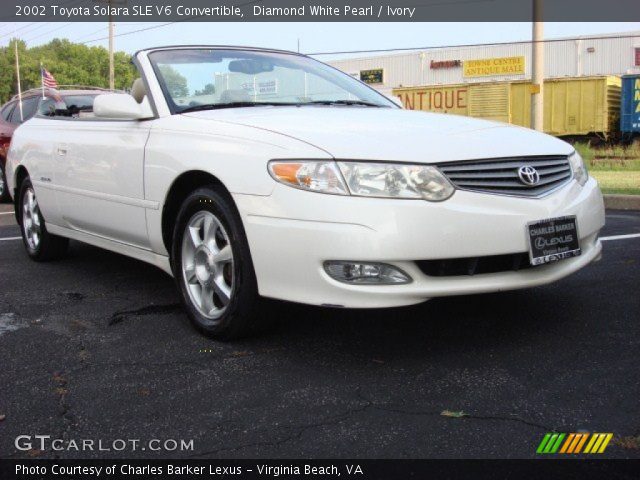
(314, 469)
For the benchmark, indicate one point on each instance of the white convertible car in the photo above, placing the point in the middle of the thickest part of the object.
(249, 173)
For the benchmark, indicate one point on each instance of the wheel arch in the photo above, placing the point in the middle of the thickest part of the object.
(181, 187)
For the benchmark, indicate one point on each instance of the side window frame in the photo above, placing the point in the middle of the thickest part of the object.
(28, 101)
(14, 118)
(6, 112)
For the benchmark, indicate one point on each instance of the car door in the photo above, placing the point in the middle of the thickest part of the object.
(99, 178)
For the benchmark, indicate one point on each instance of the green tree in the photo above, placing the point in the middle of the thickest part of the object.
(176, 83)
(209, 89)
(70, 64)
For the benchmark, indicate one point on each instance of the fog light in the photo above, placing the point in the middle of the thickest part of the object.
(366, 273)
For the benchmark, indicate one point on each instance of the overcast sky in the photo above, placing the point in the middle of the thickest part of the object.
(314, 37)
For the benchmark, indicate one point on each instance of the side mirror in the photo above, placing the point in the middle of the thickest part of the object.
(120, 106)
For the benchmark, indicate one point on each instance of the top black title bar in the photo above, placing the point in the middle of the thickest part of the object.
(317, 10)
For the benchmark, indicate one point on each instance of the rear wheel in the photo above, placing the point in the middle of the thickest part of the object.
(4, 189)
(40, 244)
(212, 266)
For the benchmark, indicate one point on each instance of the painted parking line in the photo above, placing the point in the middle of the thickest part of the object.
(620, 237)
(10, 238)
(6, 213)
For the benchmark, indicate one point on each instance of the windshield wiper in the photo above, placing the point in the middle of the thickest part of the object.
(216, 106)
(342, 102)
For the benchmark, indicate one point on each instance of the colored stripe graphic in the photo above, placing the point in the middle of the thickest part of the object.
(567, 443)
(594, 437)
(543, 443)
(550, 443)
(581, 443)
(572, 443)
(606, 441)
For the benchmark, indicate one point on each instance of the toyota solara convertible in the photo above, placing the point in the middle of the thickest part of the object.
(247, 173)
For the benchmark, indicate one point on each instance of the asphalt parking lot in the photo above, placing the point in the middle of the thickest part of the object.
(96, 347)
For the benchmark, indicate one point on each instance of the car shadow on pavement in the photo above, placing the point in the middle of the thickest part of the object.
(465, 323)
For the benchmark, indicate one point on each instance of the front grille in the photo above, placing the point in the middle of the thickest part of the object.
(501, 176)
(454, 267)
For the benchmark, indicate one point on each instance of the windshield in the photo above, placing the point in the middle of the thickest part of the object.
(195, 79)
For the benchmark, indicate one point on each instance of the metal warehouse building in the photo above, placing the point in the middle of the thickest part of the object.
(582, 82)
(614, 54)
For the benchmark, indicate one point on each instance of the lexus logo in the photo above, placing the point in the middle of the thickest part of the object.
(528, 175)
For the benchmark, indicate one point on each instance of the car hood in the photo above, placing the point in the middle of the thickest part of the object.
(366, 133)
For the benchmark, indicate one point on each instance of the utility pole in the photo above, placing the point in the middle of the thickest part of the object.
(18, 78)
(537, 69)
(112, 75)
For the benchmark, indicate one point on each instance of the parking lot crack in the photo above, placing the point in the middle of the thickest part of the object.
(296, 431)
(118, 317)
(465, 416)
(405, 411)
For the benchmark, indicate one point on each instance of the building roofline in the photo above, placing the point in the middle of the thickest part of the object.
(410, 51)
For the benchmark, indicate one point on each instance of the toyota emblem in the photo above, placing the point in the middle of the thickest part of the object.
(528, 175)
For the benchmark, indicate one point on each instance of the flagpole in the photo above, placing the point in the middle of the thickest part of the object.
(18, 76)
(42, 79)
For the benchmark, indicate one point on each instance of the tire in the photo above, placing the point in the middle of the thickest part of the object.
(212, 266)
(41, 246)
(4, 188)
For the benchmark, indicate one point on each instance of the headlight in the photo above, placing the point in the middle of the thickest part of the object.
(317, 176)
(383, 180)
(579, 168)
(396, 181)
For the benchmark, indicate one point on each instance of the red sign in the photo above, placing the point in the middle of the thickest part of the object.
(445, 64)
(637, 57)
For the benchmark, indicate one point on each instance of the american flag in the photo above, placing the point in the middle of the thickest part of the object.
(47, 79)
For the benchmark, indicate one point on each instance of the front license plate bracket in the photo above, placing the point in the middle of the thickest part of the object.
(553, 239)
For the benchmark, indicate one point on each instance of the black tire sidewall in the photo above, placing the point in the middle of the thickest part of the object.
(51, 247)
(238, 317)
(33, 253)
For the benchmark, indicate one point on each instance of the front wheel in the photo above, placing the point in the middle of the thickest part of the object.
(212, 266)
(40, 244)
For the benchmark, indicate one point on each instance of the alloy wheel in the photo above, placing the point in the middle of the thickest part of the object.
(31, 219)
(207, 264)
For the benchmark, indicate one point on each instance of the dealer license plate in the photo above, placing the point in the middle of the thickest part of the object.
(552, 240)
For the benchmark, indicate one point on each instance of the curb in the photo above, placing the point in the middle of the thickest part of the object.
(622, 202)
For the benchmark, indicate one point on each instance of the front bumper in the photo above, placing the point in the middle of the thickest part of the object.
(292, 232)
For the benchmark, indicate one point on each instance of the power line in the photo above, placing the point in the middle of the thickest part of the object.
(39, 24)
(18, 29)
(129, 33)
(48, 32)
(88, 34)
(518, 42)
(165, 24)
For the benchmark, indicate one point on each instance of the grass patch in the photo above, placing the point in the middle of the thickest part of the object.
(619, 182)
(610, 158)
(616, 167)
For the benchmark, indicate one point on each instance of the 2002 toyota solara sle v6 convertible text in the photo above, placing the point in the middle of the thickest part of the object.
(249, 173)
